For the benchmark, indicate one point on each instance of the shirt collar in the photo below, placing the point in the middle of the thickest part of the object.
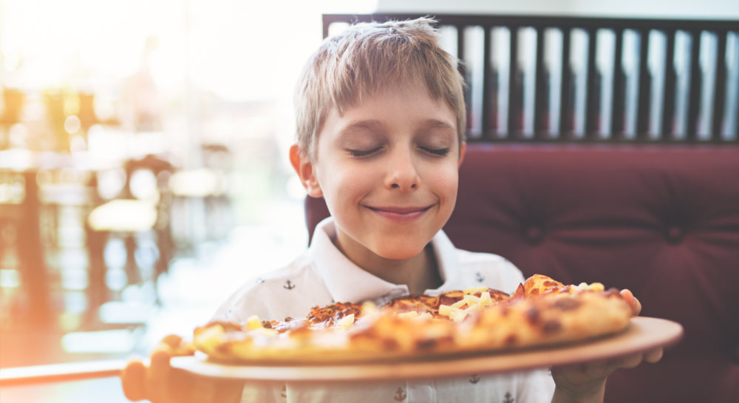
(347, 282)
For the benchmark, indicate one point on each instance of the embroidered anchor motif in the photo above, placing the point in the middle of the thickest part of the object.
(284, 392)
(479, 277)
(508, 398)
(288, 285)
(400, 395)
(474, 379)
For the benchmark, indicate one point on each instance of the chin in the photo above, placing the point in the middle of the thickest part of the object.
(398, 250)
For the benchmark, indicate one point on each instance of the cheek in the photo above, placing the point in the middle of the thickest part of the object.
(444, 181)
(344, 187)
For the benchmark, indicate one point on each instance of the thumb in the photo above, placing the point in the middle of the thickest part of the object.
(158, 376)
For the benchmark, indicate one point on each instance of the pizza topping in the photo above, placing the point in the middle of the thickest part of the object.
(532, 315)
(541, 311)
(475, 290)
(253, 323)
(551, 326)
(485, 300)
(346, 321)
(567, 304)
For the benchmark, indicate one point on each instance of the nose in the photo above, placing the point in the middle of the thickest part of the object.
(402, 173)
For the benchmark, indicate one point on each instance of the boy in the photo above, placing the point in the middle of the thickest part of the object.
(380, 121)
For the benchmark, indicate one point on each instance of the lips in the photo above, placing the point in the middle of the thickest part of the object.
(403, 214)
(400, 210)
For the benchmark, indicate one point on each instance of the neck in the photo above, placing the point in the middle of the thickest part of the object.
(419, 273)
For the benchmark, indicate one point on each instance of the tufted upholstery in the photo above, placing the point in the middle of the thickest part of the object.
(661, 221)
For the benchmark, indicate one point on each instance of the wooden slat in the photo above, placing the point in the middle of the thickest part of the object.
(564, 99)
(668, 93)
(591, 103)
(486, 87)
(694, 96)
(540, 110)
(513, 128)
(719, 87)
(645, 88)
(460, 48)
(618, 91)
(463, 70)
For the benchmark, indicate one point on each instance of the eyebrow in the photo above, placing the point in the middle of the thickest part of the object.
(372, 125)
(376, 125)
(437, 124)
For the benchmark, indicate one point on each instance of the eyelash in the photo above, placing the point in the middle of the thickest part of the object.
(438, 151)
(363, 153)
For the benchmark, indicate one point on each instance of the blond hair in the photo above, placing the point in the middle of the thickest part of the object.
(368, 57)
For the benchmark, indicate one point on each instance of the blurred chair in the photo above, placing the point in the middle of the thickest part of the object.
(13, 101)
(138, 216)
(201, 203)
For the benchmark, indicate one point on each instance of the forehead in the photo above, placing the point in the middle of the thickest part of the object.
(393, 108)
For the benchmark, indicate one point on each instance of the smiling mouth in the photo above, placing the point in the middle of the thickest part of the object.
(400, 210)
(403, 214)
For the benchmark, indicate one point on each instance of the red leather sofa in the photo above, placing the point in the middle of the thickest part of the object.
(662, 221)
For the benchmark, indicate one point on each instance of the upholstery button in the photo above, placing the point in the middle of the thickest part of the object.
(675, 233)
(534, 233)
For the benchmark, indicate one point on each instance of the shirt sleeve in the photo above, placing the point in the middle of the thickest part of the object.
(267, 392)
(535, 387)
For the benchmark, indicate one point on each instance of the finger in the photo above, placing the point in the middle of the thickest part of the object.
(172, 340)
(133, 381)
(157, 381)
(629, 361)
(634, 303)
(653, 356)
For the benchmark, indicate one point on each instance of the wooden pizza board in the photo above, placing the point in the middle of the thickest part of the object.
(643, 333)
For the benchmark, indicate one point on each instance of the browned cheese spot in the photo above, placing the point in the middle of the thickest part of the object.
(532, 315)
(390, 344)
(510, 340)
(567, 304)
(551, 326)
(426, 344)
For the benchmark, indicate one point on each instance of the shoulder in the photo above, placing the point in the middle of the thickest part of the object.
(489, 270)
(289, 291)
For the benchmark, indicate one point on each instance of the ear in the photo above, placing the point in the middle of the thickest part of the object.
(462, 150)
(304, 168)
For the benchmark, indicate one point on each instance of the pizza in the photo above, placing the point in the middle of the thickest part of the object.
(541, 312)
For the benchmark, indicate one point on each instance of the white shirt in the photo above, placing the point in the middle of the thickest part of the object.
(323, 275)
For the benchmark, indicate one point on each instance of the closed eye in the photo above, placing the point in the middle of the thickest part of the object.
(436, 151)
(362, 153)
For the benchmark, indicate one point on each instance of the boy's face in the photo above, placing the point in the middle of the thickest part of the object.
(388, 170)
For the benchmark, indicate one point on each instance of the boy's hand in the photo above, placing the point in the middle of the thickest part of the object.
(160, 383)
(587, 382)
